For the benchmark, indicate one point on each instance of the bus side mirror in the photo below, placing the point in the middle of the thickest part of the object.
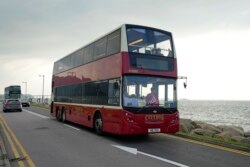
(185, 85)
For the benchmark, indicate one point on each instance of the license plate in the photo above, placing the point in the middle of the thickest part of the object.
(154, 130)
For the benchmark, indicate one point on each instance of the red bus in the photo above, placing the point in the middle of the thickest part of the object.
(106, 85)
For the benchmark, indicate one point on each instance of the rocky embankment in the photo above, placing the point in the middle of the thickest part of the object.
(233, 133)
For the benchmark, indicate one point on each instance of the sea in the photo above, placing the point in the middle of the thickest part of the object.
(235, 113)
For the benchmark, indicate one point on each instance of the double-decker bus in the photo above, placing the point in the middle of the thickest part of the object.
(12, 92)
(106, 85)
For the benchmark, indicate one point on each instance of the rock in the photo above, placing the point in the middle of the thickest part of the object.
(241, 139)
(247, 134)
(233, 130)
(203, 132)
(186, 126)
(224, 135)
(238, 138)
(246, 140)
(200, 124)
(198, 131)
(212, 128)
(195, 126)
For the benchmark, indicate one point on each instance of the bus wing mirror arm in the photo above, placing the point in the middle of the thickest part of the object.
(184, 83)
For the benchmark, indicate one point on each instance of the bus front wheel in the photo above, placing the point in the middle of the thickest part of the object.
(98, 124)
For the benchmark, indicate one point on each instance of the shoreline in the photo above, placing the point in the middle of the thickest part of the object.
(230, 113)
(215, 123)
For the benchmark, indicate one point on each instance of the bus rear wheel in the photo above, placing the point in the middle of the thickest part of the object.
(98, 124)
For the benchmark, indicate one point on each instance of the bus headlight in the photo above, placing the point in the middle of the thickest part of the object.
(129, 118)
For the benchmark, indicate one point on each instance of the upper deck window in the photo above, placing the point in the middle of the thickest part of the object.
(149, 41)
(105, 46)
(114, 42)
(100, 48)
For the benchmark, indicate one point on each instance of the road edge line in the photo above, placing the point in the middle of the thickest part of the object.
(36, 114)
(209, 145)
(4, 153)
(11, 142)
(20, 146)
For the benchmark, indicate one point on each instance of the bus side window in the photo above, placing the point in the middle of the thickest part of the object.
(114, 92)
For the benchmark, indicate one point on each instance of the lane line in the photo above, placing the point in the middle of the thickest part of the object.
(17, 142)
(12, 145)
(71, 127)
(163, 159)
(36, 114)
(136, 152)
(45, 117)
(209, 145)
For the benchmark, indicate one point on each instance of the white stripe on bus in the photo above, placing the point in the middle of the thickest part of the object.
(89, 105)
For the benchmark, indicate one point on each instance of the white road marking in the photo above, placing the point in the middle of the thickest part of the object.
(71, 127)
(33, 113)
(45, 117)
(135, 152)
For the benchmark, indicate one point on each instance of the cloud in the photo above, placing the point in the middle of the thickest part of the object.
(34, 34)
(16, 71)
(216, 64)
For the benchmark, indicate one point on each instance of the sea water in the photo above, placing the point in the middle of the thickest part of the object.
(235, 113)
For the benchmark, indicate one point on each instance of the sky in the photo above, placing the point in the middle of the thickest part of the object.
(212, 40)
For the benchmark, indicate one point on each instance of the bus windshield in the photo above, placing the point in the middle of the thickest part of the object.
(145, 91)
(149, 41)
(12, 92)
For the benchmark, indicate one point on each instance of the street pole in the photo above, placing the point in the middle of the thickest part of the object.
(43, 87)
(25, 89)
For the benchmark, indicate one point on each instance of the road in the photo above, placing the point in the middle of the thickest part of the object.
(44, 142)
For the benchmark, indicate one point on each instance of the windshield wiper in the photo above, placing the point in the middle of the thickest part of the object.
(171, 110)
(142, 109)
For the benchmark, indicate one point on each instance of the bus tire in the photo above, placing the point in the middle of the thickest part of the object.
(63, 115)
(98, 123)
(58, 115)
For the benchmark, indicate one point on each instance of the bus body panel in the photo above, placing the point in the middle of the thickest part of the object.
(107, 67)
(143, 123)
(119, 121)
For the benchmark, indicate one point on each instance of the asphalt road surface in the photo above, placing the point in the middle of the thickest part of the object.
(44, 142)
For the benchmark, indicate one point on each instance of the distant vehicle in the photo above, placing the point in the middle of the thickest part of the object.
(12, 105)
(25, 102)
(12, 92)
(104, 84)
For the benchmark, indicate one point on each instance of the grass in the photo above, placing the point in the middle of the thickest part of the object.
(46, 106)
(217, 141)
